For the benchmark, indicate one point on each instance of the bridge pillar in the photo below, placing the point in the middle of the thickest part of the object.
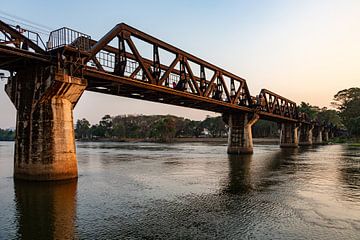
(289, 135)
(306, 135)
(317, 136)
(44, 143)
(325, 135)
(240, 134)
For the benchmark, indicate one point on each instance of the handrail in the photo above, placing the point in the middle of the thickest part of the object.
(66, 36)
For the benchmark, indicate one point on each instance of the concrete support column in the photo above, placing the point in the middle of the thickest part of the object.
(305, 135)
(317, 137)
(45, 142)
(240, 134)
(325, 135)
(289, 135)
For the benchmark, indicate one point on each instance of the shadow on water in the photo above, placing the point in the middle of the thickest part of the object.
(256, 172)
(45, 210)
(239, 174)
(350, 171)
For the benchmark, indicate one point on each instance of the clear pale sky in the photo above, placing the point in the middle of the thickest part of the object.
(304, 50)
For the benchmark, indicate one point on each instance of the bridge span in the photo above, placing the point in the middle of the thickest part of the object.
(47, 79)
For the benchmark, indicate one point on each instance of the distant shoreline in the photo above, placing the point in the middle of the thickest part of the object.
(182, 140)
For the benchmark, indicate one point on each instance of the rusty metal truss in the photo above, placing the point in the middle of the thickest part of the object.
(128, 62)
(276, 104)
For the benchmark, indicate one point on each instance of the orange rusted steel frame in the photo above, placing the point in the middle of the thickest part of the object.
(17, 38)
(126, 32)
(284, 106)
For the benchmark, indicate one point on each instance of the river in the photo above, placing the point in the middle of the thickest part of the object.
(188, 191)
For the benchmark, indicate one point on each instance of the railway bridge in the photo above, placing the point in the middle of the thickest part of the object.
(47, 79)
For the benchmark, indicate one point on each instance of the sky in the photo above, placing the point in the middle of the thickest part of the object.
(303, 50)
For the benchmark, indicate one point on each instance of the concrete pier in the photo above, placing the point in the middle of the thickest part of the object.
(240, 134)
(289, 135)
(325, 135)
(44, 143)
(305, 135)
(317, 135)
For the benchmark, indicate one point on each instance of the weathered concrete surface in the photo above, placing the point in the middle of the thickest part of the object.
(306, 135)
(317, 136)
(240, 134)
(289, 135)
(325, 135)
(45, 142)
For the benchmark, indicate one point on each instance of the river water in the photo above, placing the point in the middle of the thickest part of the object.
(188, 191)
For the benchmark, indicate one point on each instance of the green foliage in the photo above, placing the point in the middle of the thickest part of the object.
(7, 135)
(106, 125)
(354, 126)
(264, 128)
(188, 128)
(82, 128)
(163, 129)
(348, 103)
(311, 111)
(321, 114)
(330, 116)
(215, 126)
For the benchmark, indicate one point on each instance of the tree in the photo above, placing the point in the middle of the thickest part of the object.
(348, 103)
(7, 135)
(263, 128)
(106, 124)
(344, 97)
(215, 126)
(164, 129)
(311, 111)
(330, 116)
(82, 128)
(354, 127)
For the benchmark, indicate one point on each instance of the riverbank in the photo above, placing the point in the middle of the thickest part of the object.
(182, 140)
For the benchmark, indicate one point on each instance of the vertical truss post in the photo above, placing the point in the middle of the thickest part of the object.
(232, 88)
(183, 78)
(156, 64)
(202, 79)
(120, 58)
(218, 91)
(167, 82)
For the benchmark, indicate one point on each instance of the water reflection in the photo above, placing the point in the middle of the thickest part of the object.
(45, 210)
(239, 174)
(350, 171)
(258, 172)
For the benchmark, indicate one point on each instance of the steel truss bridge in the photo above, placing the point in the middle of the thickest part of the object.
(47, 79)
(117, 64)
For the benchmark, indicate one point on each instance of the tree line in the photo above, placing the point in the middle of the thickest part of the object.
(160, 128)
(345, 117)
(7, 135)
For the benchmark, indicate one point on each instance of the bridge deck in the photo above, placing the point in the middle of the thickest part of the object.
(126, 87)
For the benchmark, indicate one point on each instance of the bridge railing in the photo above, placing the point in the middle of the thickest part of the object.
(128, 52)
(66, 36)
(18, 37)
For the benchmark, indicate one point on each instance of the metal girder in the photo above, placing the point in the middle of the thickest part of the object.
(18, 39)
(157, 72)
(277, 105)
